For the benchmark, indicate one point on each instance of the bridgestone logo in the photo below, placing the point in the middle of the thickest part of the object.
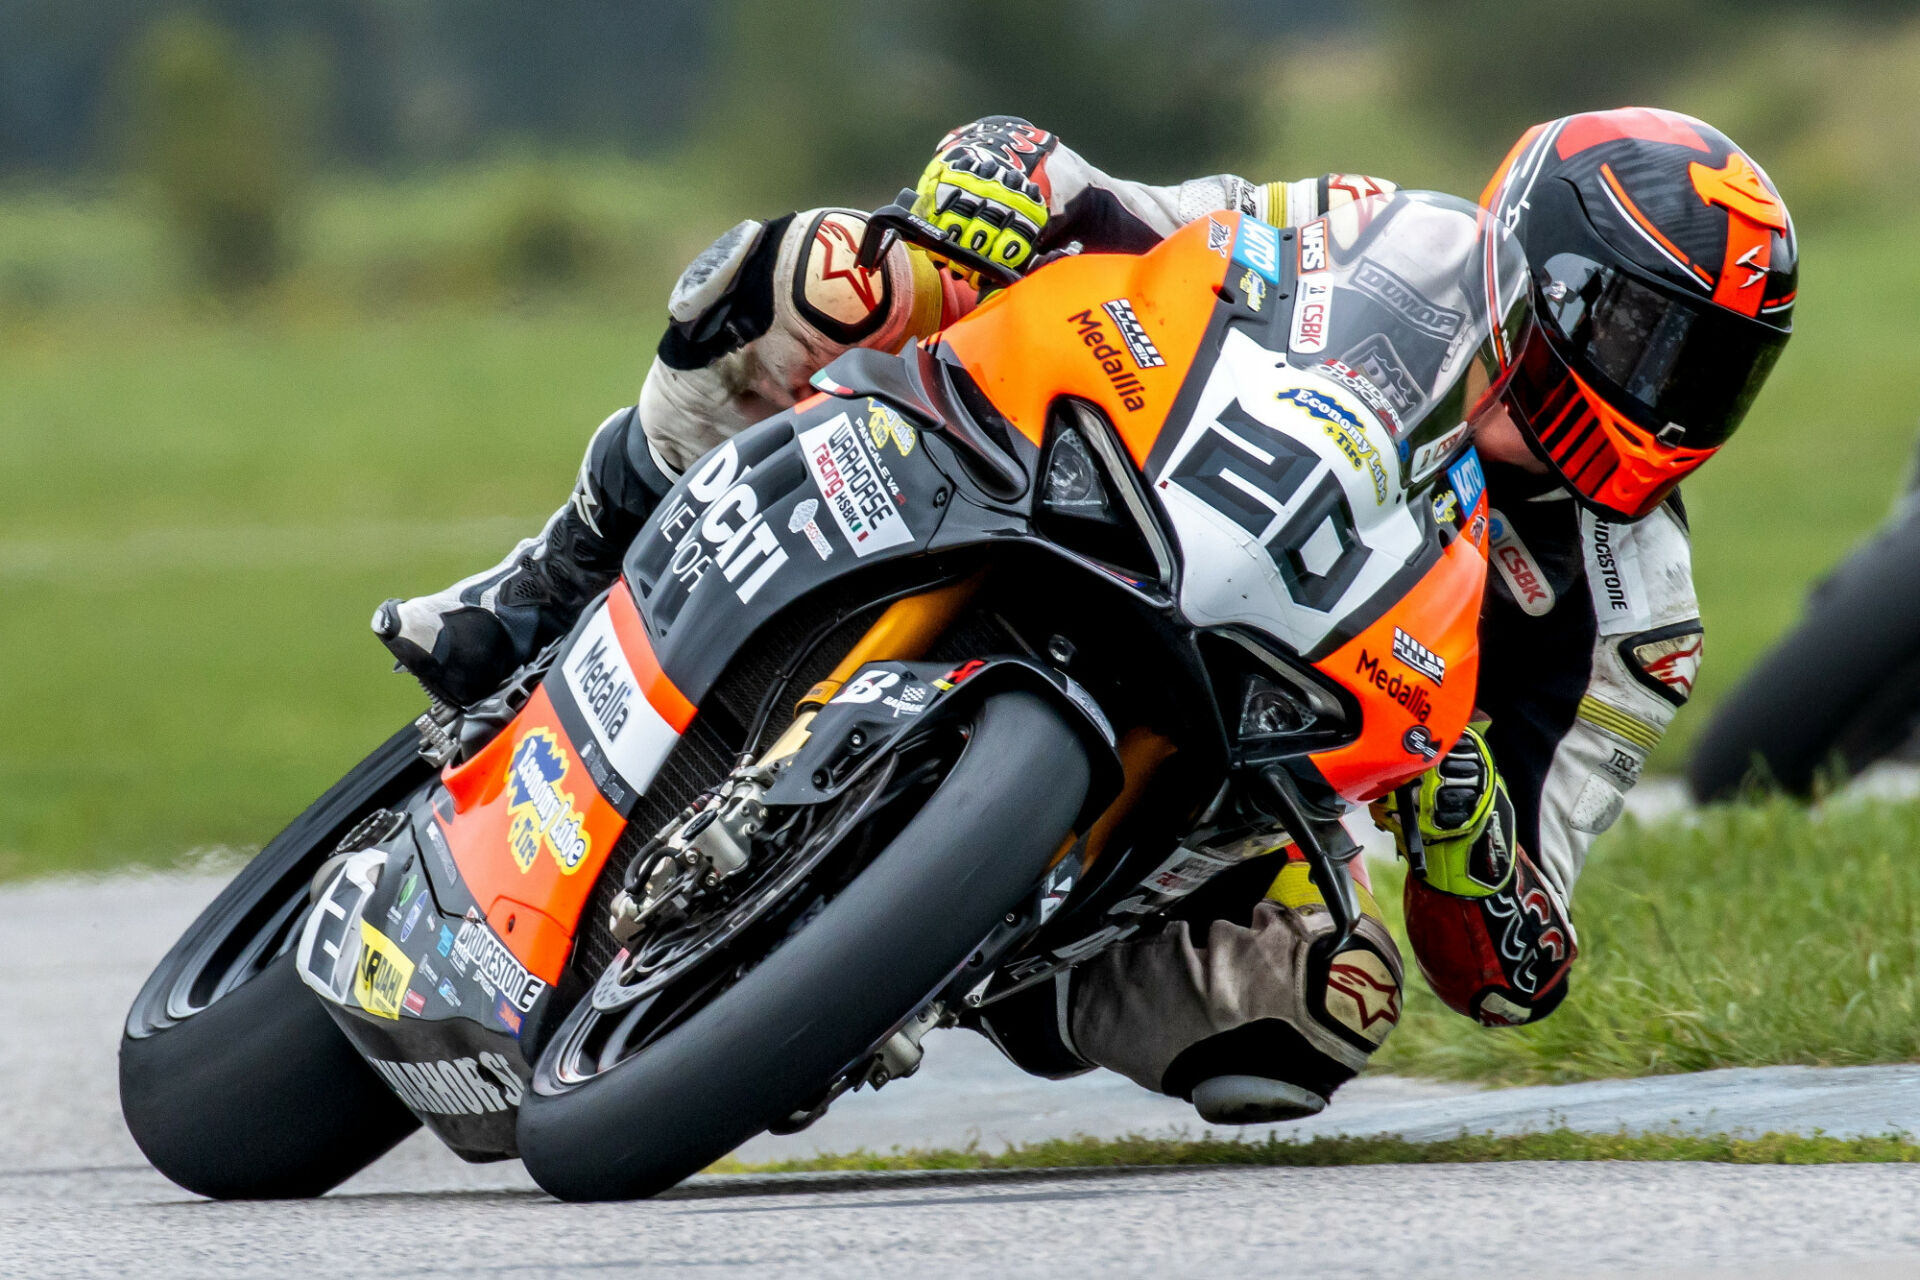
(1419, 657)
(494, 966)
(1134, 334)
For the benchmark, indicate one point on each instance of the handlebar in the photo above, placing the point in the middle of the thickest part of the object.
(899, 221)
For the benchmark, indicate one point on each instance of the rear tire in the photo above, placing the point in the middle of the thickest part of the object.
(1844, 685)
(234, 1080)
(768, 1046)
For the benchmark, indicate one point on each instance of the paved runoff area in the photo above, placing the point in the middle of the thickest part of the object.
(76, 1199)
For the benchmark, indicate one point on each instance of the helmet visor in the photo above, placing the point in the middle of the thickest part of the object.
(1685, 369)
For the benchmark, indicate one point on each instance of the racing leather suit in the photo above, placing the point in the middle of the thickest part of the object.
(1580, 667)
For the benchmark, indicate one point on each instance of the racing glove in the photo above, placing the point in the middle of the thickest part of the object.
(1464, 820)
(986, 190)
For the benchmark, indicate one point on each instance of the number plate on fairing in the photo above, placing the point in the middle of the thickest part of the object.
(1285, 493)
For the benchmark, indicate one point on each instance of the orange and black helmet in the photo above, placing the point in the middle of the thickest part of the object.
(1664, 269)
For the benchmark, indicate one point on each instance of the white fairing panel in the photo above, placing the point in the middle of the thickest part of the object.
(1284, 492)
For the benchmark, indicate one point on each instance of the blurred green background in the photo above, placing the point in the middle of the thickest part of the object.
(308, 303)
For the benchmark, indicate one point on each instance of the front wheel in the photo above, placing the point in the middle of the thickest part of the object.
(233, 1079)
(615, 1114)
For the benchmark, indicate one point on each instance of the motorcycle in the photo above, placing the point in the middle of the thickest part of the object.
(967, 667)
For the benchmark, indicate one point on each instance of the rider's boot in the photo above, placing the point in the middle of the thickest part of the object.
(1246, 1022)
(462, 643)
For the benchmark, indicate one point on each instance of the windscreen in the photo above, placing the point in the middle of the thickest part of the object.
(1406, 296)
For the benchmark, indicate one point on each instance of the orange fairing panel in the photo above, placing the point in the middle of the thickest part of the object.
(1119, 330)
(1414, 671)
(530, 829)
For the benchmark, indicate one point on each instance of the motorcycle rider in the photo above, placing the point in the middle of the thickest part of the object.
(1664, 268)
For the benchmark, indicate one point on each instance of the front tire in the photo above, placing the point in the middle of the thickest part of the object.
(234, 1081)
(769, 1045)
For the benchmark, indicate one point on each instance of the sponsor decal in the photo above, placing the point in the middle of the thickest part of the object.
(1468, 480)
(1345, 188)
(1445, 507)
(868, 686)
(1397, 295)
(1523, 575)
(1667, 660)
(1362, 995)
(1349, 436)
(1092, 333)
(508, 1015)
(380, 979)
(1254, 288)
(602, 682)
(1258, 246)
(446, 941)
(733, 536)
(1312, 313)
(494, 967)
(852, 483)
(1623, 767)
(802, 521)
(1313, 247)
(1379, 361)
(413, 918)
(408, 887)
(884, 424)
(1410, 694)
(1134, 334)
(540, 812)
(1431, 454)
(1419, 742)
(1419, 657)
(1606, 562)
(447, 992)
(472, 1086)
(1219, 236)
(1358, 383)
(413, 1002)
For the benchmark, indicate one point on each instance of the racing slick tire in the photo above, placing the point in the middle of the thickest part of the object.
(769, 1045)
(1842, 687)
(234, 1081)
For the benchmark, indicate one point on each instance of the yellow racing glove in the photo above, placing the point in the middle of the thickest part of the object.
(983, 188)
(1463, 818)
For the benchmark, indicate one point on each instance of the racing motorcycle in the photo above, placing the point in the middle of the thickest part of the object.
(970, 665)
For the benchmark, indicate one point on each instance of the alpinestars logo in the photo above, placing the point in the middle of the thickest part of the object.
(1419, 657)
(1134, 334)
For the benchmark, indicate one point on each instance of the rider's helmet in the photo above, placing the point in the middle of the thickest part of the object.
(1664, 269)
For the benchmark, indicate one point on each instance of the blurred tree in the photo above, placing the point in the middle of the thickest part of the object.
(1489, 68)
(843, 100)
(217, 144)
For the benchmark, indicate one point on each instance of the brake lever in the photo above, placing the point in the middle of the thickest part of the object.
(1327, 866)
(898, 221)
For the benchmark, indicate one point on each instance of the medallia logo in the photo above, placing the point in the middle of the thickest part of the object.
(539, 812)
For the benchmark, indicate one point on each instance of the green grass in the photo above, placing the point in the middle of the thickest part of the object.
(1755, 936)
(1271, 1152)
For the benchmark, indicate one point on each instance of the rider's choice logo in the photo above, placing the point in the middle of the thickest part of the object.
(540, 813)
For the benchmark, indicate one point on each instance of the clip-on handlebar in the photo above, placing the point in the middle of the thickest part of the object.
(899, 221)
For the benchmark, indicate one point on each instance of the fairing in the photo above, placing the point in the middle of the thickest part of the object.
(1311, 499)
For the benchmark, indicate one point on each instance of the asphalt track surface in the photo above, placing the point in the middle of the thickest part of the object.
(77, 1200)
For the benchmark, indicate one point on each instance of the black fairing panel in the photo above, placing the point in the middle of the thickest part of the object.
(832, 487)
